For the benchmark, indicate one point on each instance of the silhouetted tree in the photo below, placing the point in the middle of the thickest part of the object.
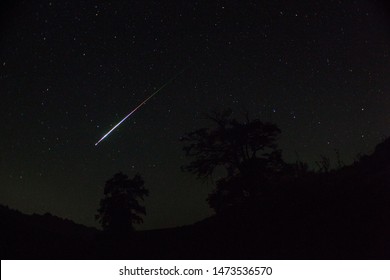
(120, 208)
(246, 150)
(323, 164)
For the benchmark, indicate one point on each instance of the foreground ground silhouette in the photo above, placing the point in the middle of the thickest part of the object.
(342, 214)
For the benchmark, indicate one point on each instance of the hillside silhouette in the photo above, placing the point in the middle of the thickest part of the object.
(42, 236)
(332, 214)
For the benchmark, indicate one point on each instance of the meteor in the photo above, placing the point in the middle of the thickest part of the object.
(139, 106)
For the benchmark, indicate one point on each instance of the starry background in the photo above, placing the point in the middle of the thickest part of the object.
(70, 70)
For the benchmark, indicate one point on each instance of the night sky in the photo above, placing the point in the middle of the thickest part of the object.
(70, 70)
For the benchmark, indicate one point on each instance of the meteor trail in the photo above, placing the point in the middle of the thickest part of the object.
(140, 105)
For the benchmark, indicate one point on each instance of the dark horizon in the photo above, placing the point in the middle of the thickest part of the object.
(211, 213)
